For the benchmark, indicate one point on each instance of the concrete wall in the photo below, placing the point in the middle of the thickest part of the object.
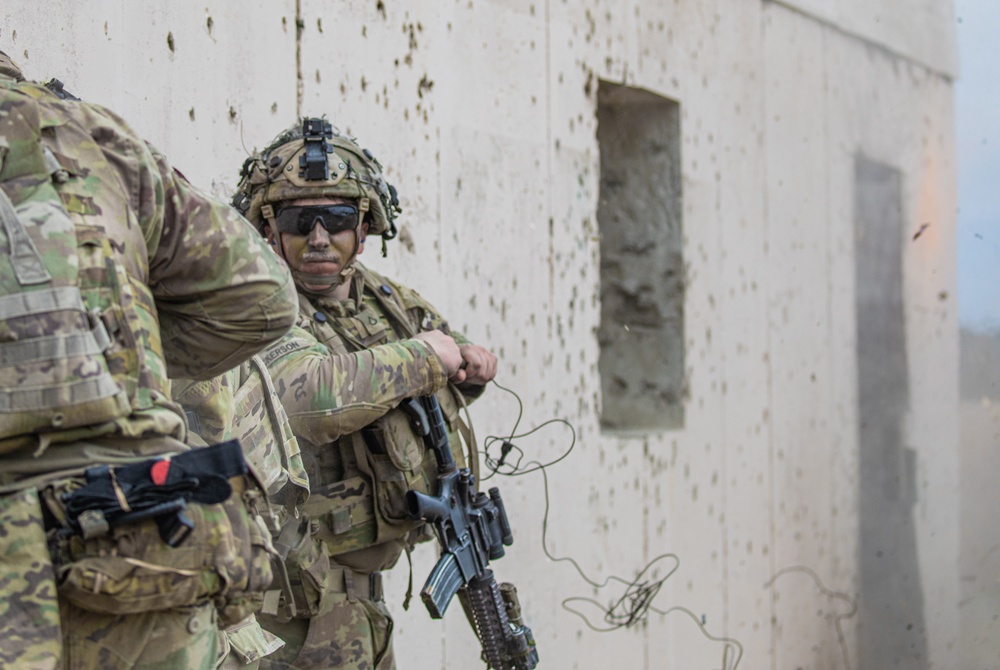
(485, 113)
(979, 555)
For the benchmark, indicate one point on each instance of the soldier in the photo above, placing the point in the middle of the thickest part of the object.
(114, 272)
(316, 195)
(242, 404)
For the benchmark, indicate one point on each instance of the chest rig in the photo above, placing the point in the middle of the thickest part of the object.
(358, 487)
(70, 357)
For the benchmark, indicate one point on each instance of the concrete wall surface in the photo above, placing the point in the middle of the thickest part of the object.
(979, 555)
(485, 113)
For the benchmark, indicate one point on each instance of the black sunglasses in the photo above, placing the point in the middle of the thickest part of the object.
(301, 220)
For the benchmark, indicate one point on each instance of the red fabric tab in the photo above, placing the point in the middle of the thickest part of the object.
(158, 472)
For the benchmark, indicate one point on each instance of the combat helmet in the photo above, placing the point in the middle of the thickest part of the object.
(314, 159)
(9, 68)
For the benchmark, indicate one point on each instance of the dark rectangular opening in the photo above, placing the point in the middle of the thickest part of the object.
(641, 333)
(891, 617)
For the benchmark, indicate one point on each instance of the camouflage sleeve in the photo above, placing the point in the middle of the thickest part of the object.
(209, 405)
(327, 395)
(427, 317)
(222, 295)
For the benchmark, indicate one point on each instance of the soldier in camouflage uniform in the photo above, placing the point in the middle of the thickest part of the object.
(114, 272)
(317, 195)
(243, 405)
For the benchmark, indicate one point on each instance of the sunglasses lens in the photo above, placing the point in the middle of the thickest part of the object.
(301, 220)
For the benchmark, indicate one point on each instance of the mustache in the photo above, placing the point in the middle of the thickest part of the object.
(320, 257)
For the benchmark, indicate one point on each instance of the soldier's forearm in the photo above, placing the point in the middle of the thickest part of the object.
(330, 396)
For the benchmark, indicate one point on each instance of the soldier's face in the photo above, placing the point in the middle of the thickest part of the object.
(319, 253)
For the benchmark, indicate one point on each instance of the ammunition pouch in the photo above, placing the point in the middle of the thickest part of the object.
(161, 534)
(251, 573)
(132, 570)
(304, 566)
(343, 513)
(359, 483)
(397, 462)
(310, 576)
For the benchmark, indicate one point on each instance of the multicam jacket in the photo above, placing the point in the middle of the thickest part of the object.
(341, 373)
(178, 282)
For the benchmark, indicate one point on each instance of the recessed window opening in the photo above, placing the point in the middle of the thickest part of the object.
(641, 333)
(891, 623)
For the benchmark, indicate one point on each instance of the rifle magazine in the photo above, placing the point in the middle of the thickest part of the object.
(442, 584)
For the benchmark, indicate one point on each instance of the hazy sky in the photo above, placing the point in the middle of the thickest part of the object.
(978, 118)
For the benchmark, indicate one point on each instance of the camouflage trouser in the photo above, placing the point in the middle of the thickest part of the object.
(184, 637)
(352, 632)
(29, 612)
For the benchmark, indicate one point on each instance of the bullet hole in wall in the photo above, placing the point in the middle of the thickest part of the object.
(208, 24)
(425, 85)
(191, 113)
(232, 114)
(380, 8)
(319, 25)
(170, 42)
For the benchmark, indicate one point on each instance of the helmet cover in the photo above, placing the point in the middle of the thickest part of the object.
(314, 159)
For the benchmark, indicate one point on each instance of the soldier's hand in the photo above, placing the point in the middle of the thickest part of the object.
(445, 347)
(479, 365)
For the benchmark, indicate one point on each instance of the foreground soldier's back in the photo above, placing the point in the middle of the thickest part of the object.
(114, 271)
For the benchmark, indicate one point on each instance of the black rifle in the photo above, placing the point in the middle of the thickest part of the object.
(472, 529)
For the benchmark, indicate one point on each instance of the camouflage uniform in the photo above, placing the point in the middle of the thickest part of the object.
(341, 372)
(114, 272)
(243, 405)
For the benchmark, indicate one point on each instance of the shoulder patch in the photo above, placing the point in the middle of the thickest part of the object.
(280, 350)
